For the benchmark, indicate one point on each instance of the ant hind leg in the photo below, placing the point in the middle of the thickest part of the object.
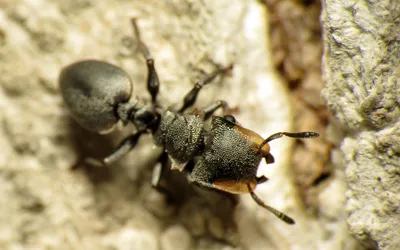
(123, 148)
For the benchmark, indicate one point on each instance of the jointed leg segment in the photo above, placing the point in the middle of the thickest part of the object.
(158, 171)
(123, 148)
(191, 96)
(153, 83)
(209, 111)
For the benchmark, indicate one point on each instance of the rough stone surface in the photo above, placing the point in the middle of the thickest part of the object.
(176, 237)
(361, 66)
(45, 205)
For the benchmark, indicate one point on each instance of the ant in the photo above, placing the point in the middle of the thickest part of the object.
(224, 157)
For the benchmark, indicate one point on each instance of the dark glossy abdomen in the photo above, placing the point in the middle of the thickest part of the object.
(92, 90)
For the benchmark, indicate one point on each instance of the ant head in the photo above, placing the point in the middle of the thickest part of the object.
(231, 157)
(254, 139)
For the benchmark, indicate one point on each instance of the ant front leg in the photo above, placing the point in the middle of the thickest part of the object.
(210, 110)
(123, 148)
(191, 96)
(153, 83)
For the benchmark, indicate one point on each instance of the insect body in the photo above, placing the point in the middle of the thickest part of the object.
(224, 157)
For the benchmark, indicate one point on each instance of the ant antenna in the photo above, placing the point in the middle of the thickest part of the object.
(278, 135)
(277, 213)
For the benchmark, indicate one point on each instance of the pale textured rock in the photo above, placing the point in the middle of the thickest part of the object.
(131, 239)
(175, 237)
(361, 66)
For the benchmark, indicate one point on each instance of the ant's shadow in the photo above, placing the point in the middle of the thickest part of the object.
(89, 144)
(115, 182)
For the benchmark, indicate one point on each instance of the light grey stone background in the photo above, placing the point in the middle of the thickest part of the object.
(45, 205)
(362, 72)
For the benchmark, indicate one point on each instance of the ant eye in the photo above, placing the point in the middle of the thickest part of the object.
(230, 118)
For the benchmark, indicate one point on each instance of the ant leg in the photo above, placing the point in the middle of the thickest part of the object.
(123, 148)
(209, 111)
(153, 83)
(158, 172)
(277, 213)
(191, 96)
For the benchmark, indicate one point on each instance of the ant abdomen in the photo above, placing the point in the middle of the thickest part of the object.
(92, 91)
